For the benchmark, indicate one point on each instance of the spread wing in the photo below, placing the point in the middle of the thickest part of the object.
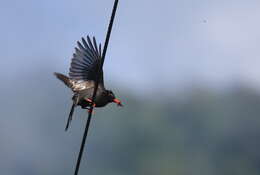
(86, 61)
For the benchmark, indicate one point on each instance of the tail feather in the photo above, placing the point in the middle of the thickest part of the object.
(66, 80)
(70, 116)
(63, 78)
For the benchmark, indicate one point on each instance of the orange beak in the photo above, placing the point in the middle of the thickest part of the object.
(118, 102)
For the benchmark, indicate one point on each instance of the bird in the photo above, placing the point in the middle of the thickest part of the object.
(82, 78)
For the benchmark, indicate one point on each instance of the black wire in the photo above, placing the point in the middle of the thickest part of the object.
(96, 86)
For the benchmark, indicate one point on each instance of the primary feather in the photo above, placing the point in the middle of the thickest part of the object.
(86, 61)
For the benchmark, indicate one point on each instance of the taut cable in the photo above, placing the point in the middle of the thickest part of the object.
(96, 86)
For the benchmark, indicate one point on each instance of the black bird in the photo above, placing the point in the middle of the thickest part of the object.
(82, 77)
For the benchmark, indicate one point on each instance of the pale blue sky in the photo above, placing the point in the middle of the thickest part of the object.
(176, 43)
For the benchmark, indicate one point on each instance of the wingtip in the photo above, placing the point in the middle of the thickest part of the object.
(56, 74)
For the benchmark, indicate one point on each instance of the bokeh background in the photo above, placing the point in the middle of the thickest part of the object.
(187, 72)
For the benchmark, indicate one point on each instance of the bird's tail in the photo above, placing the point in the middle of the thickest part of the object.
(70, 116)
(64, 79)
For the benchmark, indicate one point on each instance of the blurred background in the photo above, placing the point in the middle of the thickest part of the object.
(187, 72)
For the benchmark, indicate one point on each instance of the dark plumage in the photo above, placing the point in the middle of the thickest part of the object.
(82, 76)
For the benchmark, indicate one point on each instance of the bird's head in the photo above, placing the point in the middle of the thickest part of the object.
(112, 98)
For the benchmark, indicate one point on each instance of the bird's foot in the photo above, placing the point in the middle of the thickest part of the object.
(90, 110)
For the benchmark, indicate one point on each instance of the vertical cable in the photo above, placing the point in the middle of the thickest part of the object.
(96, 86)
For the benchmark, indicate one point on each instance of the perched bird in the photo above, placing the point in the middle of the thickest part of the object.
(83, 75)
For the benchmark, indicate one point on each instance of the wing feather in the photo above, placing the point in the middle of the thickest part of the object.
(86, 61)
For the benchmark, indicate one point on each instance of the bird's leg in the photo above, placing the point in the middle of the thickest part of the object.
(89, 100)
(94, 105)
(91, 110)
